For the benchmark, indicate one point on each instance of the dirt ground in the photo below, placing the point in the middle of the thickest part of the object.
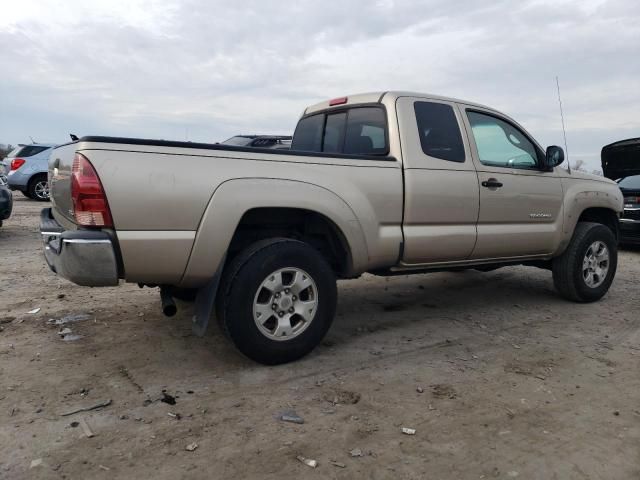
(499, 377)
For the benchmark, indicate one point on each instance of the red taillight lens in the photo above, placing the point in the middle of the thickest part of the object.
(16, 163)
(89, 201)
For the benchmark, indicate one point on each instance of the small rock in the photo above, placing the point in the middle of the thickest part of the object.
(191, 447)
(408, 431)
(33, 312)
(60, 296)
(37, 462)
(338, 464)
(616, 413)
(307, 461)
(356, 452)
(65, 331)
(420, 390)
(292, 417)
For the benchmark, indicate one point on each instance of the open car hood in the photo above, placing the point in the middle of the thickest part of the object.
(621, 159)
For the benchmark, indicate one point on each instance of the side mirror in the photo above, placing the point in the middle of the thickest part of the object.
(554, 156)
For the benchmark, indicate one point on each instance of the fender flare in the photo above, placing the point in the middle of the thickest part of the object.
(234, 197)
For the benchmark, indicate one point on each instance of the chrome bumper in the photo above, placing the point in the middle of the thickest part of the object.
(84, 257)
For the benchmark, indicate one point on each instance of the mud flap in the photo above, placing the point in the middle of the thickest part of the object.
(204, 304)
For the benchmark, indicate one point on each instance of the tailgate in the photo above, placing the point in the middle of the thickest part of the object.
(60, 165)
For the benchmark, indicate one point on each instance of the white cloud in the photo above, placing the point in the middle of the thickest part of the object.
(213, 69)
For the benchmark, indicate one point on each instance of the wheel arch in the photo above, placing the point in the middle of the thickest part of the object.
(238, 204)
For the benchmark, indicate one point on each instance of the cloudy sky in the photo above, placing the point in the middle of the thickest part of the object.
(206, 70)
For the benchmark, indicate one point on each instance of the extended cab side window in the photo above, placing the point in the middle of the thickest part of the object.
(501, 144)
(439, 131)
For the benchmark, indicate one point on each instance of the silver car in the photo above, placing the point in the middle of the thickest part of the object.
(26, 170)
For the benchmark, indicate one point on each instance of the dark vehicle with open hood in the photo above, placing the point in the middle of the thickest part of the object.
(630, 220)
(621, 162)
(6, 199)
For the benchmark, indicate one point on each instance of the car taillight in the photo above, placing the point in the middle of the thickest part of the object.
(89, 201)
(631, 200)
(16, 163)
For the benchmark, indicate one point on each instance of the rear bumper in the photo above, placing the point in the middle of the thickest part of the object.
(6, 203)
(84, 257)
(629, 231)
(18, 180)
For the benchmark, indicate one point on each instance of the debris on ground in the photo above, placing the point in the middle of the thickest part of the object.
(356, 452)
(61, 296)
(342, 397)
(338, 464)
(67, 335)
(87, 409)
(34, 311)
(292, 417)
(307, 461)
(169, 399)
(408, 431)
(442, 390)
(177, 416)
(71, 318)
(85, 428)
(420, 390)
(191, 447)
(102, 467)
(35, 463)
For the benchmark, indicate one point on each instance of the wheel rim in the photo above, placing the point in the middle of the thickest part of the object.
(42, 190)
(285, 303)
(595, 265)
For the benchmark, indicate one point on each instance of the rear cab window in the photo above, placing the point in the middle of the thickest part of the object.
(357, 130)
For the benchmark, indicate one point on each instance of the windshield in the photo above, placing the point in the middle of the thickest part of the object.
(238, 141)
(630, 183)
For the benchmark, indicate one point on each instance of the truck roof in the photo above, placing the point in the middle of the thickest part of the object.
(376, 97)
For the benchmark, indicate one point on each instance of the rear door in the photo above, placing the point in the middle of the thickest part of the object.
(441, 185)
(520, 202)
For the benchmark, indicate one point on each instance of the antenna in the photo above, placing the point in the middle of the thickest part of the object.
(32, 140)
(564, 132)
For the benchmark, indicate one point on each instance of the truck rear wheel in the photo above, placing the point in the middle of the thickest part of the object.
(584, 272)
(277, 300)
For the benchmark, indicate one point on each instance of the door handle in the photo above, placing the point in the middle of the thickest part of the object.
(491, 183)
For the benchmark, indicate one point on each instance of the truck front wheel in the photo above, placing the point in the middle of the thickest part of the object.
(277, 300)
(584, 272)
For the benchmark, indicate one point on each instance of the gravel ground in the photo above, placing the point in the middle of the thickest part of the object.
(499, 377)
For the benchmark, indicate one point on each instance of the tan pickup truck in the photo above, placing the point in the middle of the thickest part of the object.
(387, 183)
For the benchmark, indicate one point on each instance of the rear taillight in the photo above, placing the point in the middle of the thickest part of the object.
(16, 163)
(631, 200)
(89, 201)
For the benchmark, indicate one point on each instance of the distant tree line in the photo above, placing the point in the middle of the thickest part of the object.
(4, 150)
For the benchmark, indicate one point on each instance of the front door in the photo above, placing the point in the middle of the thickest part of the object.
(441, 185)
(520, 202)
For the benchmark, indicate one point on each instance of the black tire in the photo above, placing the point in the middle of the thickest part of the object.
(240, 284)
(568, 276)
(25, 193)
(33, 191)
